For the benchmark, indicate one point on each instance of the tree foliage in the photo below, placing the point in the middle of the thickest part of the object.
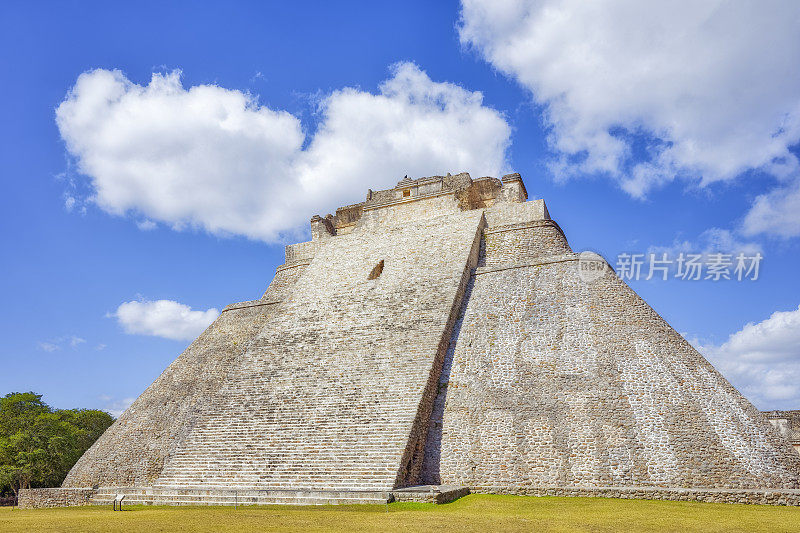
(39, 444)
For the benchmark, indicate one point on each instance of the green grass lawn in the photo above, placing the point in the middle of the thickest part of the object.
(473, 513)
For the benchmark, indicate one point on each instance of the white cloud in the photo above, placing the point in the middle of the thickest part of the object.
(75, 341)
(113, 406)
(49, 347)
(775, 213)
(710, 241)
(213, 158)
(762, 360)
(163, 318)
(712, 86)
(146, 225)
(56, 344)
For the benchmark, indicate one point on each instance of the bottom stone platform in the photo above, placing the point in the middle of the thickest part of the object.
(165, 495)
(430, 493)
(225, 496)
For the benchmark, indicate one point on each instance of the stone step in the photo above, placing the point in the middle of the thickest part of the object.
(313, 476)
(430, 493)
(224, 496)
(238, 470)
(287, 486)
(283, 482)
(308, 464)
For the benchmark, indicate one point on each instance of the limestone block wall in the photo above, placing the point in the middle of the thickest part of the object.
(501, 214)
(510, 243)
(787, 423)
(285, 278)
(134, 449)
(335, 390)
(298, 257)
(746, 496)
(54, 497)
(410, 211)
(550, 381)
(301, 252)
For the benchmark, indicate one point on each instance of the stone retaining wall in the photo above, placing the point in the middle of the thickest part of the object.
(64, 497)
(437, 495)
(56, 497)
(747, 496)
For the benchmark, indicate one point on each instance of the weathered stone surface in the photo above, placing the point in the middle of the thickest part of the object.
(553, 381)
(430, 494)
(753, 496)
(55, 497)
(134, 449)
(439, 333)
(788, 425)
(328, 394)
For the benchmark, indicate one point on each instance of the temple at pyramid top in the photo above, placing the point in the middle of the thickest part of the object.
(438, 194)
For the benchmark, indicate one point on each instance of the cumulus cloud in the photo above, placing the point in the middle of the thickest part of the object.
(163, 318)
(214, 158)
(645, 92)
(775, 213)
(762, 360)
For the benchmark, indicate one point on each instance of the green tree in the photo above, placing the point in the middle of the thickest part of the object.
(38, 444)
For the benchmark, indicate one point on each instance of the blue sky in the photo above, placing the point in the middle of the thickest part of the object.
(675, 137)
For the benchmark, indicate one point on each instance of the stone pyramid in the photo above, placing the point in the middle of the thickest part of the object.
(440, 332)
